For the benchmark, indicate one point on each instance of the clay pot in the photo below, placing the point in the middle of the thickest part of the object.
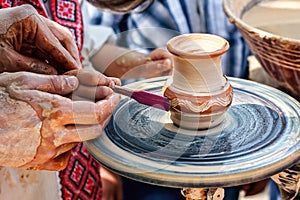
(199, 92)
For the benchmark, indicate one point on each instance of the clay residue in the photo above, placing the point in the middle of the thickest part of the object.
(19, 131)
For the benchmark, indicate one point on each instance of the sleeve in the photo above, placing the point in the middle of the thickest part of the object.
(95, 36)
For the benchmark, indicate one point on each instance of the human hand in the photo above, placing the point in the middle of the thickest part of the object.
(156, 64)
(111, 185)
(120, 62)
(163, 57)
(30, 42)
(93, 85)
(39, 126)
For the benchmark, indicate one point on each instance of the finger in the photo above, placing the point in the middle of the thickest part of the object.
(24, 85)
(105, 122)
(93, 113)
(165, 63)
(65, 39)
(76, 133)
(160, 54)
(47, 83)
(92, 77)
(161, 67)
(57, 84)
(149, 70)
(28, 49)
(56, 164)
(75, 97)
(42, 56)
(64, 148)
(73, 72)
(132, 58)
(116, 81)
(12, 61)
(98, 92)
(66, 111)
(51, 46)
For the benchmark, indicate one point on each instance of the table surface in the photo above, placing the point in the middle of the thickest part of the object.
(258, 138)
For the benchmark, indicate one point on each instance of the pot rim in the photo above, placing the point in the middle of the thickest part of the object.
(205, 54)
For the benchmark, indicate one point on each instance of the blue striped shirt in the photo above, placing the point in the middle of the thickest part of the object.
(168, 18)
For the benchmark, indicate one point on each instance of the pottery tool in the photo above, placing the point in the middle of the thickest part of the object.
(145, 97)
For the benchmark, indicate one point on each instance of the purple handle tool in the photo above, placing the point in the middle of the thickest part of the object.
(145, 97)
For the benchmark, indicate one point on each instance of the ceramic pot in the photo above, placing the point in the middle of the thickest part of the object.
(199, 92)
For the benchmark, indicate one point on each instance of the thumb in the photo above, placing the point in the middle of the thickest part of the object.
(56, 84)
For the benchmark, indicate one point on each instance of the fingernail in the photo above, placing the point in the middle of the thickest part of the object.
(160, 66)
(51, 71)
(167, 62)
(111, 84)
(72, 81)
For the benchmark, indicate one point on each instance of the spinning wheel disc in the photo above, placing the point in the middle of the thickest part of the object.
(258, 138)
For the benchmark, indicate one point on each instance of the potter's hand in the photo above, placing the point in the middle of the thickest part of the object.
(156, 64)
(30, 42)
(39, 126)
(93, 85)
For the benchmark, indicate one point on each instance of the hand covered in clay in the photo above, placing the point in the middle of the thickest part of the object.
(30, 42)
(93, 85)
(39, 126)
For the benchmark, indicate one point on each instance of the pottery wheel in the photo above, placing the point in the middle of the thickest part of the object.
(258, 138)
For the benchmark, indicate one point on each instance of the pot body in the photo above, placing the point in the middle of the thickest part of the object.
(199, 92)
